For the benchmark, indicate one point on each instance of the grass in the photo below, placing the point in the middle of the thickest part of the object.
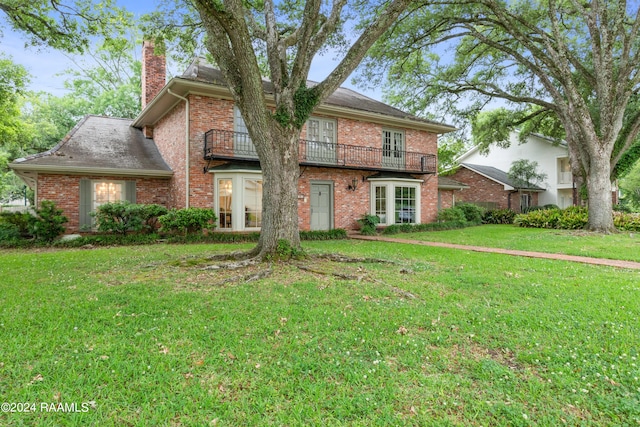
(144, 337)
(623, 245)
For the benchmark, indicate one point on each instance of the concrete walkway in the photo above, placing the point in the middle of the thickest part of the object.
(530, 254)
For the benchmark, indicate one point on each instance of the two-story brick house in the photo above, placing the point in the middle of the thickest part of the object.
(189, 147)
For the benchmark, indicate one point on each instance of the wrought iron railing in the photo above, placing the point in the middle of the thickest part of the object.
(221, 144)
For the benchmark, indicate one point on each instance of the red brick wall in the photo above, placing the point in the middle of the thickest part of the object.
(169, 136)
(209, 113)
(350, 205)
(486, 190)
(64, 190)
(446, 198)
(154, 73)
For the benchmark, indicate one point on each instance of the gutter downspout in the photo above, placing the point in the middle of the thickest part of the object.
(186, 144)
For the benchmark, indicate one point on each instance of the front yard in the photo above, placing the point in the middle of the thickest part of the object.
(624, 245)
(435, 337)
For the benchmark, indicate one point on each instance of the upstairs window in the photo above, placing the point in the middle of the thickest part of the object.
(242, 144)
(393, 150)
(321, 140)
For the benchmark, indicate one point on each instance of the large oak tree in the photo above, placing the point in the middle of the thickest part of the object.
(281, 39)
(571, 60)
(66, 25)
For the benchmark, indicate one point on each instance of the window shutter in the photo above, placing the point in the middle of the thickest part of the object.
(85, 203)
(130, 191)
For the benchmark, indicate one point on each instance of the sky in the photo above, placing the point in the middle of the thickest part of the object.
(45, 65)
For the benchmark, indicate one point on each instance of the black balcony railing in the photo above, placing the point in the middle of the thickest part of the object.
(221, 144)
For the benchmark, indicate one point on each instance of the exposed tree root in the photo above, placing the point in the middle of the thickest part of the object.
(245, 278)
(343, 258)
(243, 263)
(330, 273)
(233, 256)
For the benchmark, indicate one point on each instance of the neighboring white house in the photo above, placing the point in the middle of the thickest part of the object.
(552, 159)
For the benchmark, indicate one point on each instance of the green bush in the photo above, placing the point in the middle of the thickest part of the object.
(498, 216)
(46, 225)
(9, 232)
(572, 218)
(368, 224)
(416, 228)
(334, 234)
(451, 214)
(189, 220)
(150, 215)
(119, 217)
(18, 219)
(626, 221)
(472, 213)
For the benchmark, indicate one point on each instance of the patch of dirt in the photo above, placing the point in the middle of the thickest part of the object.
(208, 273)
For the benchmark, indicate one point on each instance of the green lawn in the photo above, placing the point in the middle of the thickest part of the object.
(142, 336)
(624, 245)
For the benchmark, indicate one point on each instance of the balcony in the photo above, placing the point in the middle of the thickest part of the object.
(220, 144)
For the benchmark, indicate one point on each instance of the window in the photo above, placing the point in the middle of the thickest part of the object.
(525, 202)
(564, 171)
(405, 205)
(242, 144)
(321, 144)
(252, 203)
(106, 192)
(393, 148)
(381, 203)
(94, 193)
(239, 200)
(225, 192)
(398, 197)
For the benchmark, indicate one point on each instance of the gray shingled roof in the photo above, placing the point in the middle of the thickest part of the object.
(499, 176)
(200, 70)
(447, 183)
(100, 144)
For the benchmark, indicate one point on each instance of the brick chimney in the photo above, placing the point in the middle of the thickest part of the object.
(154, 72)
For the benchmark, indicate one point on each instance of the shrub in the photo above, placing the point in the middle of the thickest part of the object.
(150, 215)
(9, 232)
(189, 220)
(46, 225)
(626, 221)
(119, 217)
(572, 218)
(368, 224)
(334, 234)
(498, 216)
(472, 213)
(19, 219)
(451, 214)
(433, 226)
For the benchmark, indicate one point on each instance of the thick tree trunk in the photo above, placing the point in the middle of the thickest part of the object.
(599, 187)
(280, 172)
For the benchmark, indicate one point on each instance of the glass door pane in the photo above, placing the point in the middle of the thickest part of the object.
(225, 193)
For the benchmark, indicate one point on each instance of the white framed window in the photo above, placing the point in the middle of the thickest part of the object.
(321, 140)
(252, 202)
(238, 196)
(396, 201)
